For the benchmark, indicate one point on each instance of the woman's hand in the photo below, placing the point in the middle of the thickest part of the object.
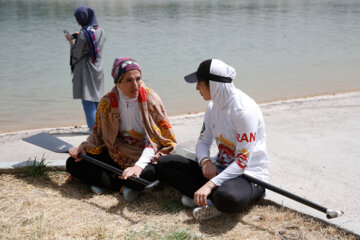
(75, 34)
(74, 152)
(128, 172)
(201, 195)
(209, 170)
(68, 39)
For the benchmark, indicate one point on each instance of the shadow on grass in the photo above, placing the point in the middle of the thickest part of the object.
(74, 190)
(212, 227)
(163, 203)
(158, 202)
(161, 200)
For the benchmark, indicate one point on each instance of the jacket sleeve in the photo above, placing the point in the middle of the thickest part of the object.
(246, 125)
(206, 138)
(146, 156)
(77, 49)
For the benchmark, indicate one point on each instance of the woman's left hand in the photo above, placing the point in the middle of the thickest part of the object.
(128, 172)
(201, 195)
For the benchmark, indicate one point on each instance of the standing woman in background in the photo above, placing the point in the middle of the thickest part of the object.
(85, 61)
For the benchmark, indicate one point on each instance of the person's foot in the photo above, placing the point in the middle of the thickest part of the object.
(205, 213)
(71, 178)
(130, 195)
(97, 190)
(188, 202)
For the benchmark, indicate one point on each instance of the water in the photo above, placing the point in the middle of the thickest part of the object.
(280, 49)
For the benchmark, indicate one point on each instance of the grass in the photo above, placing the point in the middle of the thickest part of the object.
(172, 206)
(161, 233)
(35, 168)
(52, 208)
(38, 233)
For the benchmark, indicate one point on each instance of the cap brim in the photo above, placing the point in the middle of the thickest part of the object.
(191, 78)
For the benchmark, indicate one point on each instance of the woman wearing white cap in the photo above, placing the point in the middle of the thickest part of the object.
(234, 120)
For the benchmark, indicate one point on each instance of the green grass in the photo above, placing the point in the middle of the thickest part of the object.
(39, 232)
(160, 233)
(102, 233)
(176, 234)
(172, 206)
(35, 168)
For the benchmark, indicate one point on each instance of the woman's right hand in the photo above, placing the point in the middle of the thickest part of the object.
(74, 152)
(200, 196)
(68, 39)
(209, 170)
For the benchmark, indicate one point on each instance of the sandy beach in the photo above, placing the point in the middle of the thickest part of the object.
(312, 143)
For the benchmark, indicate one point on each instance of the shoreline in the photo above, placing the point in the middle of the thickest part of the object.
(83, 128)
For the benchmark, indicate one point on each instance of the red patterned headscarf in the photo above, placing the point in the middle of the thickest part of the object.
(121, 66)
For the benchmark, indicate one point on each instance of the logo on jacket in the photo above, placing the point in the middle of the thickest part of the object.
(241, 160)
(246, 137)
(226, 155)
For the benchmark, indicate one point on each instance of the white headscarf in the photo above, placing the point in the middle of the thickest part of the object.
(222, 93)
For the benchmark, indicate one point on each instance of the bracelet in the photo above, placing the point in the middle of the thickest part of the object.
(204, 160)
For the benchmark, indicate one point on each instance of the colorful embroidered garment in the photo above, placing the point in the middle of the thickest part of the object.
(105, 133)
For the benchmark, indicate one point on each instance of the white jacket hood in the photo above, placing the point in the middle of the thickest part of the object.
(222, 93)
(235, 121)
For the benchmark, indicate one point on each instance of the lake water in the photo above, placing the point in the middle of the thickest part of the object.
(280, 49)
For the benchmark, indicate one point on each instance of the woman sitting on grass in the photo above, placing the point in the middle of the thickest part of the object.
(235, 121)
(131, 132)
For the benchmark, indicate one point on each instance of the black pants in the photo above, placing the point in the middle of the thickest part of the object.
(98, 176)
(186, 176)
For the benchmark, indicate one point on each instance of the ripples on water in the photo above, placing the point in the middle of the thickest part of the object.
(280, 49)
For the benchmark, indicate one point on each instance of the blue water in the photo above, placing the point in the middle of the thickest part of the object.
(280, 49)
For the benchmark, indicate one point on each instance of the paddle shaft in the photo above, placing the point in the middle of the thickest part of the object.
(285, 193)
(113, 169)
(49, 142)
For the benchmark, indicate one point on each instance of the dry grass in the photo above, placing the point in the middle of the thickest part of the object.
(50, 208)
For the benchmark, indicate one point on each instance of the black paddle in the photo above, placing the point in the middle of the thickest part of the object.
(54, 144)
(329, 212)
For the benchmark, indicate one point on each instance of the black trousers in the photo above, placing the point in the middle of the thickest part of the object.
(98, 176)
(186, 176)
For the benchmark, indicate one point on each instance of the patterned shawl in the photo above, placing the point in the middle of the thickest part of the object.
(105, 133)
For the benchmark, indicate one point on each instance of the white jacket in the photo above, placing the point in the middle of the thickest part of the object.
(236, 123)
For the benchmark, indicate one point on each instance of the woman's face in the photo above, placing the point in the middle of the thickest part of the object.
(204, 90)
(131, 83)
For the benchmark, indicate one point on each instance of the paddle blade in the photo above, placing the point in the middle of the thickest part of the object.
(49, 142)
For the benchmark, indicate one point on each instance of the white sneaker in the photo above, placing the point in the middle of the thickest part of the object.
(204, 213)
(97, 190)
(188, 202)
